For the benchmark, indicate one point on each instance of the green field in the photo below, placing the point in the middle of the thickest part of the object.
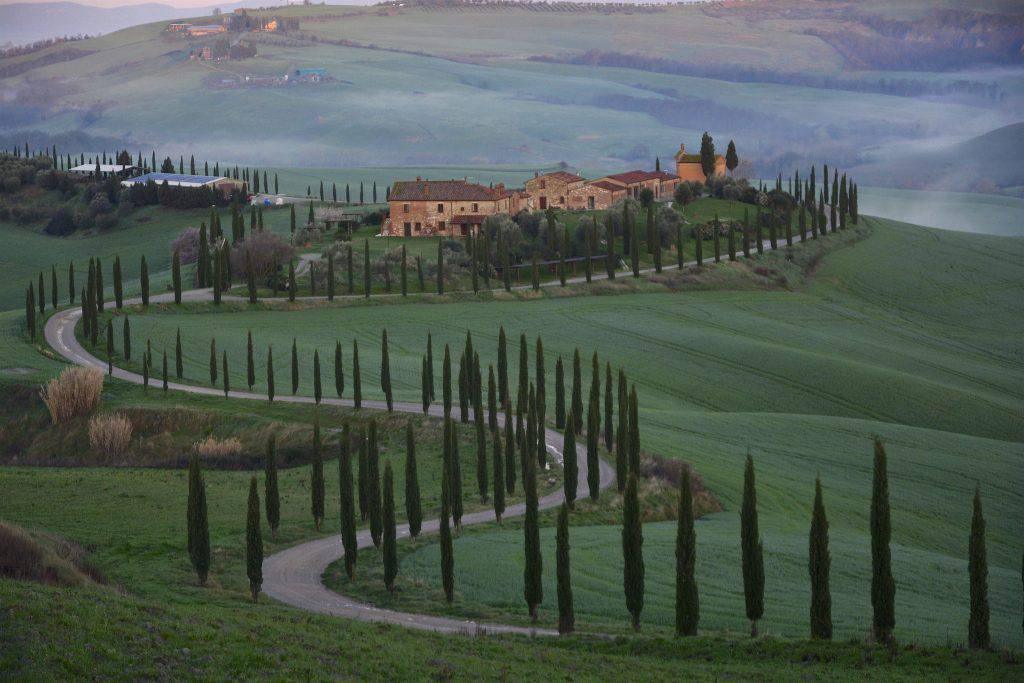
(912, 334)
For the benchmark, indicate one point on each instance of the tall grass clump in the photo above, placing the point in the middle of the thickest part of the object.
(76, 392)
(110, 435)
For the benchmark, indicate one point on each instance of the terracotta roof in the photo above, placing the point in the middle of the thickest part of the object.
(442, 191)
(632, 177)
(605, 185)
(564, 176)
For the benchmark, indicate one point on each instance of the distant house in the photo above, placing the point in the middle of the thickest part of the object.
(178, 26)
(445, 207)
(596, 194)
(552, 189)
(206, 30)
(688, 166)
(221, 183)
(106, 170)
(307, 75)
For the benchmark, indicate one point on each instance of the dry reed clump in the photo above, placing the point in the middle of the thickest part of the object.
(110, 435)
(212, 448)
(74, 393)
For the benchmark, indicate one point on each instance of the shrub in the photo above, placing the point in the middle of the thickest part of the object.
(76, 392)
(61, 223)
(211, 448)
(187, 245)
(267, 251)
(110, 435)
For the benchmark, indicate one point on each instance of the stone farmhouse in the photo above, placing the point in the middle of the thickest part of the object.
(450, 208)
(455, 208)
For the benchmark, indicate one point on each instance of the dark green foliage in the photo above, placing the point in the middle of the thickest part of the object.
(753, 554)
(717, 240)
(502, 367)
(295, 367)
(254, 542)
(566, 618)
(576, 401)
(144, 282)
(492, 400)
(430, 365)
(707, 154)
(390, 546)
(71, 282)
(176, 276)
(510, 452)
(632, 551)
(98, 300)
(978, 636)
(339, 371)
(316, 478)
(270, 373)
(385, 371)
(367, 274)
(611, 257)
(456, 475)
(524, 373)
(330, 276)
(570, 468)
(499, 475)
(347, 499)
(405, 272)
(593, 439)
(110, 346)
(424, 386)
(357, 377)
(687, 597)
(250, 277)
(622, 435)
(732, 241)
(270, 490)
(198, 524)
(818, 564)
(533, 590)
(213, 362)
(126, 339)
(373, 485)
(447, 554)
(535, 272)
(634, 249)
(559, 394)
(883, 587)
(680, 258)
(446, 381)
(413, 511)
(118, 285)
(609, 434)
(482, 474)
(165, 367)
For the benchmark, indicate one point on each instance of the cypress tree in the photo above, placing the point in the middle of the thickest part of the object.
(273, 500)
(687, 597)
(446, 381)
(419, 274)
(291, 281)
(818, 564)
(732, 241)
(634, 433)
(883, 587)
(632, 551)
(502, 367)
(339, 371)
(576, 405)
(499, 476)
(533, 590)
(622, 435)
(413, 510)
(126, 342)
(535, 273)
(224, 373)
(977, 565)
(385, 370)
(250, 364)
(317, 478)
(570, 468)
(42, 294)
(390, 533)
(746, 233)
(295, 367)
(559, 394)
(30, 311)
(110, 347)
(99, 288)
(145, 370)
(373, 484)
(317, 385)
(430, 365)
(213, 362)
(198, 525)
(270, 373)
(357, 379)
(566, 618)
(593, 438)
(609, 434)
(634, 251)
(753, 557)
(717, 239)
(698, 244)
(218, 278)
(456, 476)
(492, 400)
(482, 474)
(447, 555)
(424, 386)
(367, 275)
(364, 488)
(510, 452)
(254, 542)
(524, 372)
(347, 498)
(118, 286)
(179, 369)
(176, 276)
(202, 264)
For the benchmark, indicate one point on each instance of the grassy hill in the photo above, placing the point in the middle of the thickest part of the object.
(454, 86)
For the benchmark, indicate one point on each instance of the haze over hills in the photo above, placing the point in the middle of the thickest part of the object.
(596, 87)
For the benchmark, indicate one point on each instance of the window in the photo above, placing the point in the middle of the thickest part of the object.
(440, 225)
(407, 229)
(590, 202)
(561, 200)
(476, 207)
(440, 208)
(405, 208)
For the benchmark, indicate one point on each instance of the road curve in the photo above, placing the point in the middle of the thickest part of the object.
(294, 575)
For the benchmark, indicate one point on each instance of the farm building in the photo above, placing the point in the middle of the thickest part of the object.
(552, 189)
(634, 182)
(445, 207)
(225, 185)
(688, 165)
(206, 30)
(106, 170)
